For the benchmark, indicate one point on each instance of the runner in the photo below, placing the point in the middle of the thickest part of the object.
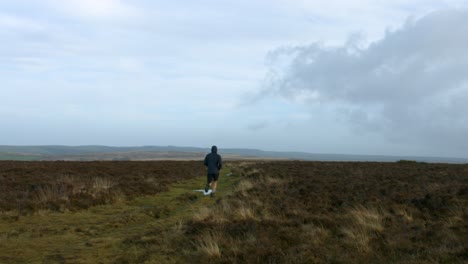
(214, 163)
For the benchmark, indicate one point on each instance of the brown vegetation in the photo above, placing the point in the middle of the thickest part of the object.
(265, 212)
(30, 186)
(332, 212)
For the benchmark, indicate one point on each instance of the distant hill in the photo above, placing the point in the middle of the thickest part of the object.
(96, 152)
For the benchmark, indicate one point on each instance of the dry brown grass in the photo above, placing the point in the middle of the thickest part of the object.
(367, 218)
(358, 238)
(269, 181)
(100, 184)
(45, 194)
(244, 212)
(243, 187)
(456, 216)
(202, 214)
(317, 235)
(208, 246)
(179, 228)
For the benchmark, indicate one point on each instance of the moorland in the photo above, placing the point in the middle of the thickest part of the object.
(263, 212)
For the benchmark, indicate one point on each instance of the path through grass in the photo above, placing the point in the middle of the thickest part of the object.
(117, 233)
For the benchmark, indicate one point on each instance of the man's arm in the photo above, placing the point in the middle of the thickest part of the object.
(220, 162)
(205, 162)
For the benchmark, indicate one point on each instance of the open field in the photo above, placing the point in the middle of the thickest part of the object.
(264, 212)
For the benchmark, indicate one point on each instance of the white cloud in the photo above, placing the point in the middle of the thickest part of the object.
(411, 86)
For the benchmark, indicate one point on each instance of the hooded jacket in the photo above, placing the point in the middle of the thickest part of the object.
(213, 161)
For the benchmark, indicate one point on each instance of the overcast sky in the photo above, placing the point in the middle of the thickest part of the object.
(351, 77)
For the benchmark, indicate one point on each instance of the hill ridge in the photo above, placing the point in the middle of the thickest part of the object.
(98, 152)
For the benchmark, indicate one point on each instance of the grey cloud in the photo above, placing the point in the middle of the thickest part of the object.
(412, 85)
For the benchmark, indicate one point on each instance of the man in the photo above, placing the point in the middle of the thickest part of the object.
(214, 163)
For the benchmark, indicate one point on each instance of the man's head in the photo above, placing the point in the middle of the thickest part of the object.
(214, 149)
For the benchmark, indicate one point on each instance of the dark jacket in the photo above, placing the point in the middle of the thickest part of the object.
(213, 161)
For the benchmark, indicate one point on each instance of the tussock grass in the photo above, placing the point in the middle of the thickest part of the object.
(179, 228)
(208, 245)
(358, 238)
(202, 214)
(362, 227)
(456, 216)
(244, 185)
(367, 218)
(317, 235)
(102, 184)
(45, 194)
(76, 183)
(269, 181)
(244, 212)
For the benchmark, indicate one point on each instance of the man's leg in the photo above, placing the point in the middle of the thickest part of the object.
(213, 188)
(208, 182)
(214, 184)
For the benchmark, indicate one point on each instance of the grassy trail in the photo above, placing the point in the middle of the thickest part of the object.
(105, 234)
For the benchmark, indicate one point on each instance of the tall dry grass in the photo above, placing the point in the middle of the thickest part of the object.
(363, 225)
(100, 184)
(208, 246)
(244, 211)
